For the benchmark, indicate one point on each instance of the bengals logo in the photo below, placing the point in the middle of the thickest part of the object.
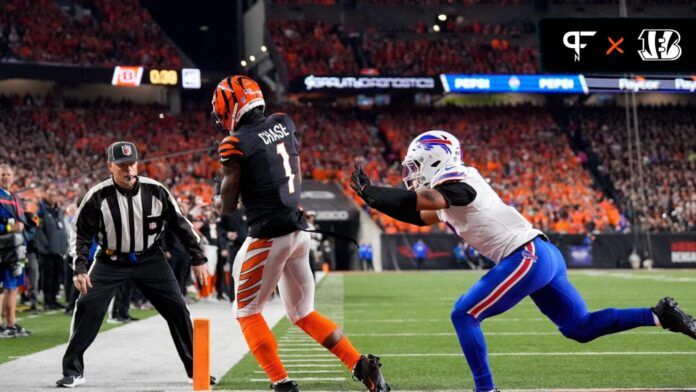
(660, 45)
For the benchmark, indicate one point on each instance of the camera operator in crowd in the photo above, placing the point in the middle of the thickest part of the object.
(13, 239)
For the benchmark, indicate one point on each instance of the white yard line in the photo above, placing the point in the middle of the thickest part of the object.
(446, 320)
(307, 360)
(304, 379)
(632, 276)
(554, 333)
(32, 316)
(314, 365)
(304, 371)
(627, 389)
(285, 340)
(564, 390)
(519, 354)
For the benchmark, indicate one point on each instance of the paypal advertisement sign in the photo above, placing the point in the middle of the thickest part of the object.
(482, 83)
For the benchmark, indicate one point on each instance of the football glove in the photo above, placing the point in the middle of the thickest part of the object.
(359, 181)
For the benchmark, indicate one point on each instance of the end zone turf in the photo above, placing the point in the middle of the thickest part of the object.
(404, 317)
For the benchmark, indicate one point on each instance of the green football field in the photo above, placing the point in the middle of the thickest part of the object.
(404, 318)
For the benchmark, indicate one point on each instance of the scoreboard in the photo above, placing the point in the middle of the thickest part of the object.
(134, 76)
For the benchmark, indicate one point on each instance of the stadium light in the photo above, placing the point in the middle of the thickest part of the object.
(442, 17)
(264, 48)
(244, 63)
(203, 28)
(252, 58)
(436, 28)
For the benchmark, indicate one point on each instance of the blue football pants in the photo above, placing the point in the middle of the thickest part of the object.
(538, 270)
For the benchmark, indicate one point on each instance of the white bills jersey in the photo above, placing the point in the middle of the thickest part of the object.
(492, 227)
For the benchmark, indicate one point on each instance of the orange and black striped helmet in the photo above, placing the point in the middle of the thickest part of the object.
(233, 97)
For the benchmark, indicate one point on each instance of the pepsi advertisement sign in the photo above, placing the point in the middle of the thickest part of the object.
(481, 83)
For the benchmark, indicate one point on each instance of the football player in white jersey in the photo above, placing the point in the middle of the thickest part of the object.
(440, 188)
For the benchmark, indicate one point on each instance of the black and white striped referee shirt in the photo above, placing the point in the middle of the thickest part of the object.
(127, 221)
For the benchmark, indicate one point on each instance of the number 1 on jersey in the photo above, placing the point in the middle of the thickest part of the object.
(280, 147)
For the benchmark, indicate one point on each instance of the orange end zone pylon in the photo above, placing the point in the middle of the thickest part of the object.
(201, 354)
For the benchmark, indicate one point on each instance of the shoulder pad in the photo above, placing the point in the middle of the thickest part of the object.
(449, 173)
(230, 147)
(283, 117)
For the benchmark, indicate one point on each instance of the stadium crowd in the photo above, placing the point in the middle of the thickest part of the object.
(93, 32)
(411, 56)
(472, 46)
(65, 153)
(309, 47)
(668, 148)
(65, 146)
(462, 25)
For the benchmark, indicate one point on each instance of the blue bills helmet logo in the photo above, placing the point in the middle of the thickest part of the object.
(430, 141)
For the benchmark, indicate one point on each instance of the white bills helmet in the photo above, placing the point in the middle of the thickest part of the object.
(429, 152)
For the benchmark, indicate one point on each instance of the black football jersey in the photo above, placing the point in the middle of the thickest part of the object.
(270, 177)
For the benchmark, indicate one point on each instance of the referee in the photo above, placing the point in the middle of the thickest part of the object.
(126, 215)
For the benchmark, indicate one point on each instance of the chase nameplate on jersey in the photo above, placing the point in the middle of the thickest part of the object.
(274, 134)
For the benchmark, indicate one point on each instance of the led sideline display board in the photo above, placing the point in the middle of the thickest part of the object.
(134, 76)
(481, 83)
(494, 84)
(190, 78)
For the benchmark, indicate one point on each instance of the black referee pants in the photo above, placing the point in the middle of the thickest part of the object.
(155, 279)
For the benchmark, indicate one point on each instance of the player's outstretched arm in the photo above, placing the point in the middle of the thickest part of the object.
(430, 200)
(429, 217)
(400, 204)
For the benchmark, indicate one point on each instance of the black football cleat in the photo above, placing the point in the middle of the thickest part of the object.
(367, 371)
(287, 386)
(673, 318)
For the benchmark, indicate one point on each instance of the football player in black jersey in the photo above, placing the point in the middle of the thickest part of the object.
(260, 163)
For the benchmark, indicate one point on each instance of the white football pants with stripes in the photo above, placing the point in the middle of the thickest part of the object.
(262, 264)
